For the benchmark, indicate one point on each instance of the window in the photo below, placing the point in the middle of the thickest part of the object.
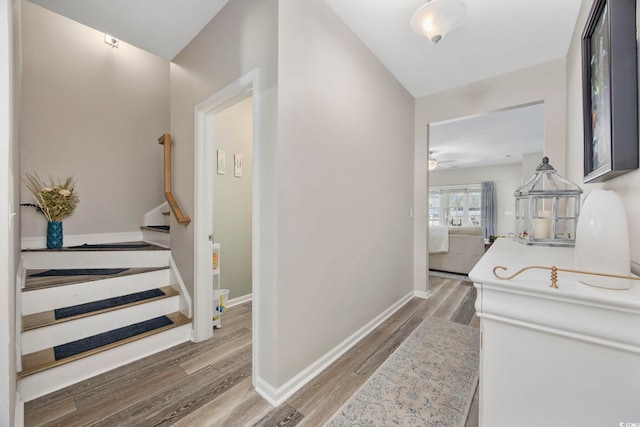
(455, 205)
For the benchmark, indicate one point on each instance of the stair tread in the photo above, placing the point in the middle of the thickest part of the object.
(158, 228)
(35, 283)
(47, 318)
(148, 247)
(45, 359)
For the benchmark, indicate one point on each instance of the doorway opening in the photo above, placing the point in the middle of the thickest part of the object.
(232, 198)
(503, 147)
(213, 122)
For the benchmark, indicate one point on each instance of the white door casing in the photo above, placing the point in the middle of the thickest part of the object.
(244, 87)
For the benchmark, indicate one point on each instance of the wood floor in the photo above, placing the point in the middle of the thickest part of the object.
(209, 383)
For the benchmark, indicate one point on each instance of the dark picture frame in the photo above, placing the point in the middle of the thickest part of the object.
(610, 90)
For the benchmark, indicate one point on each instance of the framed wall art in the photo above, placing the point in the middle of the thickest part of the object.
(221, 162)
(237, 165)
(610, 90)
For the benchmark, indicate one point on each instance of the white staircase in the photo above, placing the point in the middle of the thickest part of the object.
(45, 332)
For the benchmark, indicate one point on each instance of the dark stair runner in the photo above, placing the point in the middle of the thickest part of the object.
(90, 343)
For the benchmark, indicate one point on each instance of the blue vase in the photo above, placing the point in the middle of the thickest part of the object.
(54, 234)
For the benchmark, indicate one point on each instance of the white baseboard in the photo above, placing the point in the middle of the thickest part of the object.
(81, 239)
(239, 300)
(277, 396)
(422, 294)
(267, 391)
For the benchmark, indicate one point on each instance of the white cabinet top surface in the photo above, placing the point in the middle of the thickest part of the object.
(536, 282)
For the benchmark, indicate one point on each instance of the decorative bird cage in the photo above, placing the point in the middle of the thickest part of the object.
(547, 209)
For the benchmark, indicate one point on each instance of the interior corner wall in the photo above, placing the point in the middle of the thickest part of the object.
(544, 82)
(345, 185)
(240, 38)
(626, 186)
(94, 112)
(506, 178)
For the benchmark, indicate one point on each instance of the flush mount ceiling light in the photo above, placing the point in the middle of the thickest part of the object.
(111, 41)
(433, 163)
(437, 18)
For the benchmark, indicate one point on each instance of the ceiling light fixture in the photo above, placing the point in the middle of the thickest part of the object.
(437, 18)
(433, 163)
(111, 41)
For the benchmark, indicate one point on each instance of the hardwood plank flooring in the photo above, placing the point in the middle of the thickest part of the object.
(209, 383)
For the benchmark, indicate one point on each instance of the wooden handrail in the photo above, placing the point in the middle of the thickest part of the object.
(175, 209)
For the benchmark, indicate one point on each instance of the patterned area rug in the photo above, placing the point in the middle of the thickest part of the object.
(429, 380)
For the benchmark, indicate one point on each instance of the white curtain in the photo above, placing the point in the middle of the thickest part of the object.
(488, 209)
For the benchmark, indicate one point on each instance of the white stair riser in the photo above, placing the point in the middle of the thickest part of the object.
(36, 385)
(40, 300)
(95, 259)
(61, 333)
(157, 237)
(156, 216)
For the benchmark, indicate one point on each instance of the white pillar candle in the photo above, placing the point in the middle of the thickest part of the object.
(540, 228)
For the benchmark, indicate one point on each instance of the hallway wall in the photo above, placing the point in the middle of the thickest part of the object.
(626, 185)
(345, 185)
(94, 112)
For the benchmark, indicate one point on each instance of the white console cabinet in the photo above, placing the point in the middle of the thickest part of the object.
(554, 357)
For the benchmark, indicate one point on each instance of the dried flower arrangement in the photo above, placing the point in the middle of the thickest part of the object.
(57, 199)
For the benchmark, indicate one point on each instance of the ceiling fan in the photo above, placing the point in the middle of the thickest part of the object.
(433, 162)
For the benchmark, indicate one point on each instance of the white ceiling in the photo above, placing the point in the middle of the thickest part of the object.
(497, 36)
(491, 139)
(162, 27)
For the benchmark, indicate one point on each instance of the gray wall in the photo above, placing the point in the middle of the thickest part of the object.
(626, 186)
(93, 112)
(339, 176)
(233, 132)
(345, 154)
(242, 37)
(530, 163)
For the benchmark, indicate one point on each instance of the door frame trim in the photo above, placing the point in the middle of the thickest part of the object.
(204, 166)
